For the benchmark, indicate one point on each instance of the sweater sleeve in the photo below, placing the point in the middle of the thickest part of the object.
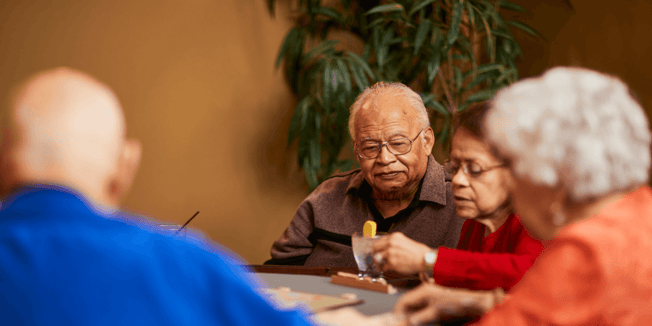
(294, 245)
(486, 271)
(564, 287)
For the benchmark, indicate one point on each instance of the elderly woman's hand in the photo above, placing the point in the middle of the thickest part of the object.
(401, 254)
(350, 316)
(430, 302)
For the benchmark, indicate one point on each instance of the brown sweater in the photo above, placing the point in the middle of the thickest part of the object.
(320, 232)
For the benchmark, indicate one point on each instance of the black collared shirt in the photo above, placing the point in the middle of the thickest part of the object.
(386, 224)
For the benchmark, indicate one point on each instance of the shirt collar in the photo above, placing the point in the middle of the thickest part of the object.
(433, 185)
(61, 192)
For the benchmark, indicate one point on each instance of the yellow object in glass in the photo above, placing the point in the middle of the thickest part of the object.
(369, 229)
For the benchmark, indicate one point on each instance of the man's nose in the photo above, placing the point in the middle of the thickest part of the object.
(385, 156)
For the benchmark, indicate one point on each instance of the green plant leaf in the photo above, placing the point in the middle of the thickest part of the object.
(346, 77)
(503, 33)
(305, 114)
(315, 154)
(310, 172)
(377, 22)
(319, 49)
(346, 3)
(457, 79)
(419, 6)
(444, 134)
(477, 81)
(526, 28)
(327, 84)
(511, 6)
(309, 6)
(390, 7)
(427, 98)
(358, 74)
(299, 112)
(433, 67)
(375, 39)
(440, 108)
(455, 21)
(317, 133)
(366, 53)
(483, 95)
(289, 39)
(383, 47)
(508, 75)
(469, 12)
(507, 49)
(270, 6)
(329, 12)
(362, 64)
(422, 32)
(488, 67)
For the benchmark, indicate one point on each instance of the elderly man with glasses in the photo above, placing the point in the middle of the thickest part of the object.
(399, 185)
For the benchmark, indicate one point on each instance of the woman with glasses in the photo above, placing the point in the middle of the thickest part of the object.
(494, 251)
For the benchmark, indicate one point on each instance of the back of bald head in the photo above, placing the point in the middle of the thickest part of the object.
(62, 127)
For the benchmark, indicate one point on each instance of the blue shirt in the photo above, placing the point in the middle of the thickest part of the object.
(65, 262)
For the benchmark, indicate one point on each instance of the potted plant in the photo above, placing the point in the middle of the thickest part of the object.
(452, 52)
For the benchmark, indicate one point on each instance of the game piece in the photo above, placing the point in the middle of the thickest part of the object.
(366, 283)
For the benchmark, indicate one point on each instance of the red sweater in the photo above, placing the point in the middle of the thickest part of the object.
(485, 263)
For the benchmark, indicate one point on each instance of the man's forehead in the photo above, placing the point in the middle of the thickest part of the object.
(385, 111)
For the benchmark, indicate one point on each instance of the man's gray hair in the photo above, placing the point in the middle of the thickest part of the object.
(575, 128)
(394, 89)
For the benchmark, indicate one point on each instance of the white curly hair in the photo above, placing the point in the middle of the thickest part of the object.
(395, 88)
(575, 128)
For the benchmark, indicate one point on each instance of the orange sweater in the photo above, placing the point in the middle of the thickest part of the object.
(595, 272)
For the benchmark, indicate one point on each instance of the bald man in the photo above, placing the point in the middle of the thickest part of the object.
(68, 256)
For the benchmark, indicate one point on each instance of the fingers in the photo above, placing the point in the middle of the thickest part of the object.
(388, 260)
(399, 253)
(389, 240)
(427, 315)
(422, 305)
(414, 300)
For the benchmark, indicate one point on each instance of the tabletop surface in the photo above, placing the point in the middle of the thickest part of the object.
(374, 302)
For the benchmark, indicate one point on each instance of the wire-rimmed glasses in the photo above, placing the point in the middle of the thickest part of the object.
(472, 170)
(370, 149)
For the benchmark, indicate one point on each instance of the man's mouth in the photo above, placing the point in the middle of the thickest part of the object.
(458, 198)
(387, 175)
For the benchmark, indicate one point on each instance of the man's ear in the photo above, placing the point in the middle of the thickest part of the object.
(428, 140)
(127, 166)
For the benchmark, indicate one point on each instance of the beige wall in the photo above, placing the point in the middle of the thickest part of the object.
(197, 82)
(613, 37)
(198, 85)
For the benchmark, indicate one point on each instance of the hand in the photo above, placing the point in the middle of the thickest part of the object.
(401, 254)
(429, 303)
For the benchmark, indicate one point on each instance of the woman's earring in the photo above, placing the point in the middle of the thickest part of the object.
(558, 217)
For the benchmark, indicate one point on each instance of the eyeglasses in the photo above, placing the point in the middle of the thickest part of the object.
(369, 150)
(473, 170)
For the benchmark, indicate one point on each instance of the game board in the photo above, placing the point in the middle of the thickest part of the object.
(315, 302)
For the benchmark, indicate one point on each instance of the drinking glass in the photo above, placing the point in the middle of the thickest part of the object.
(173, 229)
(363, 252)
